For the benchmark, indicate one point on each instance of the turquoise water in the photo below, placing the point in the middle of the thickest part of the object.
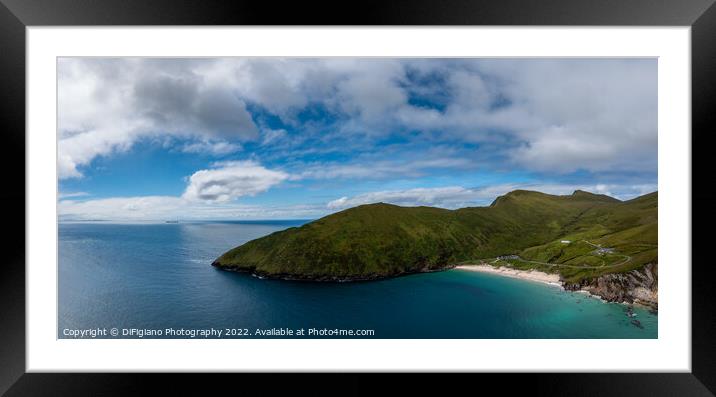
(158, 277)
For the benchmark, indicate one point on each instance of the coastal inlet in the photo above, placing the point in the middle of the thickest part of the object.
(158, 276)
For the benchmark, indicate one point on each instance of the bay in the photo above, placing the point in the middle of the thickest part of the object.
(157, 276)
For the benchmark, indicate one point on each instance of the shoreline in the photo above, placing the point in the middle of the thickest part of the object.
(532, 275)
(529, 275)
(322, 278)
(545, 278)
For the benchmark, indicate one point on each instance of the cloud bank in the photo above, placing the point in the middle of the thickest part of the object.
(158, 208)
(163, 208)
(551, 115)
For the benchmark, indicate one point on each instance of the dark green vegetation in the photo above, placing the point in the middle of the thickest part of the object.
(380, 240)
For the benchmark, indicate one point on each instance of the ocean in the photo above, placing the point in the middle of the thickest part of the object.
(155, 280)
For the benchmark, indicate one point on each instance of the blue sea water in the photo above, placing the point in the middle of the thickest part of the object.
(158, 277)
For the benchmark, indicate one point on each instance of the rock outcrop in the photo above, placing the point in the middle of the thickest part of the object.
(639, 286)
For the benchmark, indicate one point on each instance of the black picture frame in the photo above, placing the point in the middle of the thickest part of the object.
(16, 15)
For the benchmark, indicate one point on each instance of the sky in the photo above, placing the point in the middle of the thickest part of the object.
(142, 139)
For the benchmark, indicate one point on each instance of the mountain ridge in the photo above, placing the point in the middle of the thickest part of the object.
(380, 240)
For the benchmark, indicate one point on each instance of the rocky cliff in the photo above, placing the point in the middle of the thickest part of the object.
(637, 286)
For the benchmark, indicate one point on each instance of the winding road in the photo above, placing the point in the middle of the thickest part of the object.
(627, 258)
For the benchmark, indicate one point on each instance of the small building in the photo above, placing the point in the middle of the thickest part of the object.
(566, 241)
(604, 251)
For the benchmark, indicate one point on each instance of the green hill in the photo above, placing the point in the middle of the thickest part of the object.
(382, 240)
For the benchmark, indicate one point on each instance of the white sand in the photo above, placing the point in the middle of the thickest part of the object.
(532, 275)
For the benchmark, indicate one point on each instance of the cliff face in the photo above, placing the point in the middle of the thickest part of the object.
(637, 286)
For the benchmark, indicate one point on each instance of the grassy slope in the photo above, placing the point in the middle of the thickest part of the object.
(383, 240)
(629, 227)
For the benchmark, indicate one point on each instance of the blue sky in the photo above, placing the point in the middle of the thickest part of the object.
(273, 138)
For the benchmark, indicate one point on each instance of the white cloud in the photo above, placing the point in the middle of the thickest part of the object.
(163, 208)
(274, 83)
(214, 148)
(371, 92)
(380, 169)
(230, 180)
(210, 194)
(65, 195)
(470, 90)
(272, 136)
(106, 105)
(590, 114)
(120, 208)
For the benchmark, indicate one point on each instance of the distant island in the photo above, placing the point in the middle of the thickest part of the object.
(593, 242)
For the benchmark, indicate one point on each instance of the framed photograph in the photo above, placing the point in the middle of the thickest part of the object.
(422, 188)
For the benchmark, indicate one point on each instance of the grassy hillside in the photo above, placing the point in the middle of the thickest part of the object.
(628, 232)
(380, 240)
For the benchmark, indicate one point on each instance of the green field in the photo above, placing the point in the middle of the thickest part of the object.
(379, 240)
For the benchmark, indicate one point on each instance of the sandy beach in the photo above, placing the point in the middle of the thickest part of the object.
(531, 275)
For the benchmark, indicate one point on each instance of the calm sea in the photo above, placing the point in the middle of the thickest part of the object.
(141, 279)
